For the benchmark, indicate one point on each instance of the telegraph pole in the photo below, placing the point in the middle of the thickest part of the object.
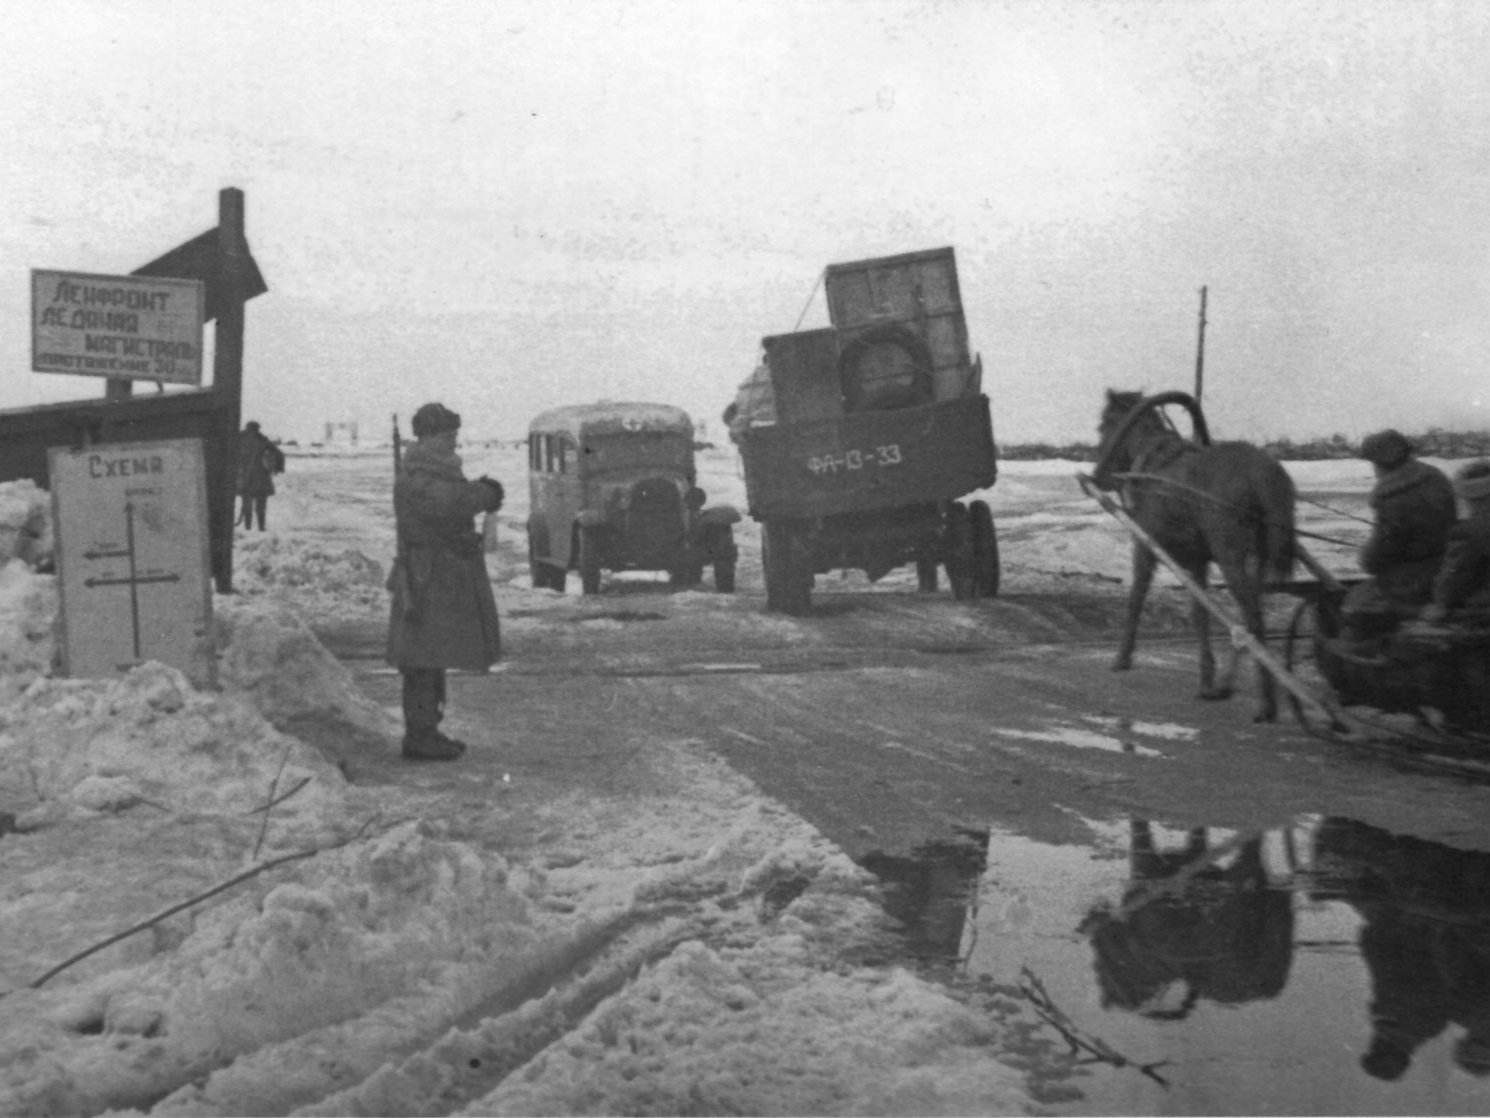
(1200, 351)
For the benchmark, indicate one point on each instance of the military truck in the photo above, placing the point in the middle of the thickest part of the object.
(873, 430)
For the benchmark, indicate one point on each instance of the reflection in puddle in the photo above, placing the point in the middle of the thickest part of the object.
(1327, 967)
(1201, 920)
(931, 890)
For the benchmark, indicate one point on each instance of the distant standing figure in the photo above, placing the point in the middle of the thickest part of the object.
(258, 461)
(1414, 506)
(444, 615)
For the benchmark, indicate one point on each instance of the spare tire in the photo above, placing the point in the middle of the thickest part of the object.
(884, 368)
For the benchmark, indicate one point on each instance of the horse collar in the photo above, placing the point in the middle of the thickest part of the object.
(1162, 454)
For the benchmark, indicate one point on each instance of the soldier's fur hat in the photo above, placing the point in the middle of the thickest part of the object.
(433, 419)
(1386, 448)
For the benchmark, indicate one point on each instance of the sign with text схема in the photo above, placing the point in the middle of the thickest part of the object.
(131, 327)
(132, 558)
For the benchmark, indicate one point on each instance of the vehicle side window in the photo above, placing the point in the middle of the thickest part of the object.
(535, 461)
(566, 455)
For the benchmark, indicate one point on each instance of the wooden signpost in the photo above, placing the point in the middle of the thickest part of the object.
(133, 559)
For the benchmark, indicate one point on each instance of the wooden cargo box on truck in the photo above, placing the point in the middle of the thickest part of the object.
(878, 426)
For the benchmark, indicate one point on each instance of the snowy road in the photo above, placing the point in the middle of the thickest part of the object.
(889, 719)
(632, 894)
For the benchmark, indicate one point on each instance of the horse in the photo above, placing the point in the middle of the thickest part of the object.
(1227, 503)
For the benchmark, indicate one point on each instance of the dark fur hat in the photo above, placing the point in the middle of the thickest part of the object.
(1386, 448)
(432, 419)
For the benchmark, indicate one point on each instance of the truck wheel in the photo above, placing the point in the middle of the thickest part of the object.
(535, 568)
(788, 579)
(685, 576)
(985, 551)
(926, 579)
(957, 551)
(589, 561)
(724, 576)
(545, 577)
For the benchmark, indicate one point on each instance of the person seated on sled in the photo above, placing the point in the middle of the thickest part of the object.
(1414, 506)
(1461, 592)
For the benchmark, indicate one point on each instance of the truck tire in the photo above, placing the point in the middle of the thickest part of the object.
(685, 576)
(589, 561)
(724, 576)
(918, 387)
(545, 576)
(788, 579)
(957, 551)
(986, 570)
(926, 579)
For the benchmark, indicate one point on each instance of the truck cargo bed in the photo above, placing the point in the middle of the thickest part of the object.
(870, 460)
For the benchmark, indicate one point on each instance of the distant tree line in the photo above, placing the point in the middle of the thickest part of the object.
(1432, 443)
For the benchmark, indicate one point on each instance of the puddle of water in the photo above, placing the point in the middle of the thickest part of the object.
(1326, 968)
(1080, 737)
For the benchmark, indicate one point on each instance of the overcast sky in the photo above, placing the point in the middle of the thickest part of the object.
(509, 206)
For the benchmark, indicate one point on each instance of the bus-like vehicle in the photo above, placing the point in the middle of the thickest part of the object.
(612, 487)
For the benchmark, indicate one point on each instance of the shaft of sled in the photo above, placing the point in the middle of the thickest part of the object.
(1315, 568)
(1240, 637)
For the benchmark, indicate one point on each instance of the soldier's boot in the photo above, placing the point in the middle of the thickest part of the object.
(422, 700)
(431, 747)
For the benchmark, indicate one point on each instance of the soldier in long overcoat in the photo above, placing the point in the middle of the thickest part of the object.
(443, 614)
(258, 461)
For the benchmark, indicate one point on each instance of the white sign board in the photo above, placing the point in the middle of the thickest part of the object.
(131, 327)
(132, 558)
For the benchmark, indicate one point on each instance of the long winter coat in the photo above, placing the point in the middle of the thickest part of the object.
(443, 612)
(258, 461)
(1463, 583)
(1414, 507)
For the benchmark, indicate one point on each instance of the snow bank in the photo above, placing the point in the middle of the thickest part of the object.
(319, 581)
(25, 523)
(90, 746)
(28, 609)
(267, 654)
(769, 1029)
(323, 941)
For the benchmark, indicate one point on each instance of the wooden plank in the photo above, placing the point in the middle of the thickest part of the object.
(804, 375)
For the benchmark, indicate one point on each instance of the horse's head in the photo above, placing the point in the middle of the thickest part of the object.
(1115, 434)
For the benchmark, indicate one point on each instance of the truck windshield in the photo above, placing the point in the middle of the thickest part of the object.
(649, 450)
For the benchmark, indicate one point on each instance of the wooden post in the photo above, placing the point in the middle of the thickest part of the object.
(1200, 351)
(227, 379)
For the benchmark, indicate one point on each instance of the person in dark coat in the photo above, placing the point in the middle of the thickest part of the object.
(258, 461)
(1461, 592)
(1414, 507)
(443, 613)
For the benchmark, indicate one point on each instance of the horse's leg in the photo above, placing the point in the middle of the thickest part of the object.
(1144, 563)
(1200, 618)
(1246, 589)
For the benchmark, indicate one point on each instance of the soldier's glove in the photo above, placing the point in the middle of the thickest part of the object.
(494, 492)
